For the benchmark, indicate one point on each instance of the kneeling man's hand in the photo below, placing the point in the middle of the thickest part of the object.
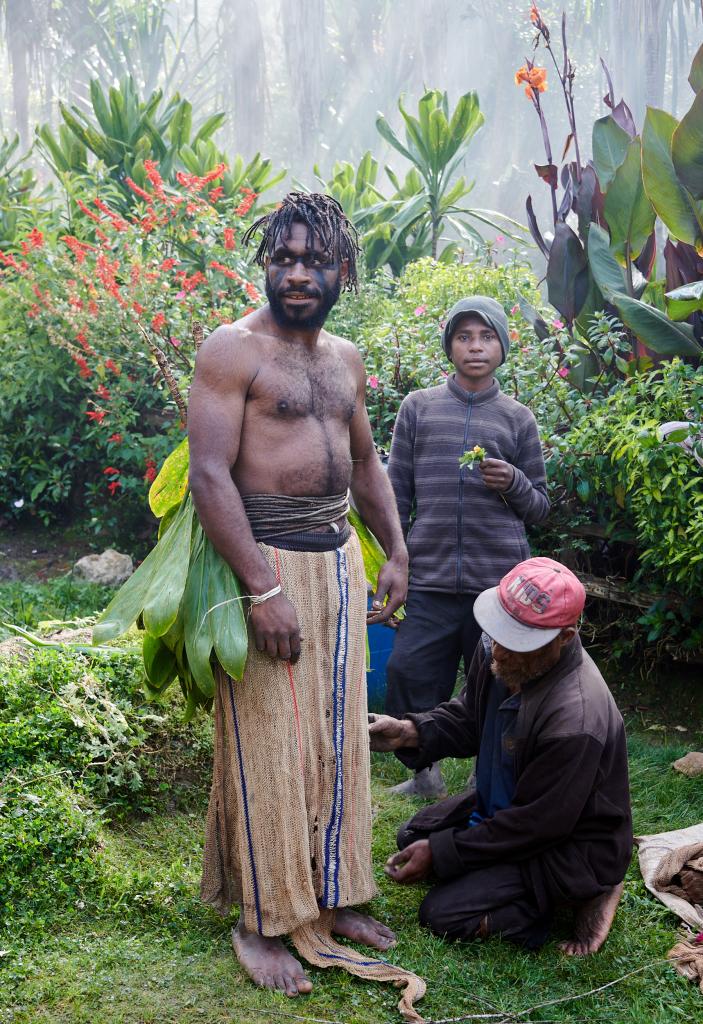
(386, 733)
(413, 864)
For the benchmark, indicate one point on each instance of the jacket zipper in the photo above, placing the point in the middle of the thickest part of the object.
(459, 516)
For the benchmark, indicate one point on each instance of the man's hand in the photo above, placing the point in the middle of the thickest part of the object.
(386, 733)
(413, 864)
(392, 583)
(276, 629)
(497, 475)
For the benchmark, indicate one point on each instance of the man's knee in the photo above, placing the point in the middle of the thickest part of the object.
(407, 835)
(440, 916)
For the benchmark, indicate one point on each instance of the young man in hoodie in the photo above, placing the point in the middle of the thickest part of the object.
(469, 524)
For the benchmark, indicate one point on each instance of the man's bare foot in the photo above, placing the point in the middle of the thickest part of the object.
(363, 929)
(592, 924)
(268, 963)
(427, 783)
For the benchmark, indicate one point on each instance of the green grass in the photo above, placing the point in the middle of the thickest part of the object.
(62, 598)
(147, 952)
(137, 946)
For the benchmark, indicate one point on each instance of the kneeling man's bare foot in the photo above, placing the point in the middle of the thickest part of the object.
(592, 924)
(361, 928)
(268, 963)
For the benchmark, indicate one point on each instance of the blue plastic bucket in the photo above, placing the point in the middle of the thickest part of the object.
(380, 646)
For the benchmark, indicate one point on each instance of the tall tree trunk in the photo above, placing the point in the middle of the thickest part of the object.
(304, 42)
(655, 33)
(18, 26)
(242, 68)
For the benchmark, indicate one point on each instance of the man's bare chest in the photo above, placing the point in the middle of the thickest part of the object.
(294, 389)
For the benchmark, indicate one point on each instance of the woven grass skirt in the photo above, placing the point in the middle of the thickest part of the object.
(289, 821)
(288, 834)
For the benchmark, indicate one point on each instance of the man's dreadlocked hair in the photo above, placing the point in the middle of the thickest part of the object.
(322, 216)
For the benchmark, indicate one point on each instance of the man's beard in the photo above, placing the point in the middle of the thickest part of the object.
(517, 669)
(327, 299)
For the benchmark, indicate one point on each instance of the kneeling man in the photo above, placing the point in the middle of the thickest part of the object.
(549, 821)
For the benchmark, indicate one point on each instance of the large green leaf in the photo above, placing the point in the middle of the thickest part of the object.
(171, 483)
(128, 602)
(160, 664)
(371, 551)
(610, 144)
(210, 126)
(166, 589)
(466, 121)
(695, 75)
(537, 322)
(100, 107)
(673, 203)
(606, 270)
(567, 272)
(628, 211)
(196, 621)
(387, 133)
(655, 329)
(438, 140)
(687, 148)
(418, 130)
(225, 608)
(683, 301)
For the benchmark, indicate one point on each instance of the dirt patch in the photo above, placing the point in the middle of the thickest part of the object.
(37, 553)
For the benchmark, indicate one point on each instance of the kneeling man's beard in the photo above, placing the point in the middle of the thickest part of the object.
(516, 669)
(328, 297)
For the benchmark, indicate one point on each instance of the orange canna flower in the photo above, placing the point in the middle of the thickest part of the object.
(534, 79)
(534, 14)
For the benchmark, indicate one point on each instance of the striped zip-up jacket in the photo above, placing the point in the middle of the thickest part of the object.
(464, 537)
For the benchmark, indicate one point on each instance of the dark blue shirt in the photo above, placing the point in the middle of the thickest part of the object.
(495, 765)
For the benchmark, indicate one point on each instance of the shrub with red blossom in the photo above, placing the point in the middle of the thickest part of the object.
(120, 296)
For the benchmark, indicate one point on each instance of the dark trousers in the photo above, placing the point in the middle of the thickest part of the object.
(494, 899)
(437, 631)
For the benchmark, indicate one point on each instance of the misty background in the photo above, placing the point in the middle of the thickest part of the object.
(302, 80)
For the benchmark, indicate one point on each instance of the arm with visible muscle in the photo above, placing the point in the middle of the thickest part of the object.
(224, 371)
(375, 500)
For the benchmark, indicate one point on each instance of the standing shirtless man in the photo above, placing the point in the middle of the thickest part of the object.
(278, 433)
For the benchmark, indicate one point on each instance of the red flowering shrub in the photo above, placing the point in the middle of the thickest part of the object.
(120, 298)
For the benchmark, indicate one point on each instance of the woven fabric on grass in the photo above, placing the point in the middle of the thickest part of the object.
(672, 867)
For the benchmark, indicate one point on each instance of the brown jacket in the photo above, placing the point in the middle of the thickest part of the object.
(569, 824)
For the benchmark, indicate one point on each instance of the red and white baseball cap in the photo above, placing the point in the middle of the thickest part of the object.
(530, 605)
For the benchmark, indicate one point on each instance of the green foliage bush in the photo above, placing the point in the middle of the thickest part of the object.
(398, 330)
(97, 322)
(80, 746)
(640, 489)
(48, 833)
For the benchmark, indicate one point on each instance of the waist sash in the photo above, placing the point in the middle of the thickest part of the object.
(274, 517)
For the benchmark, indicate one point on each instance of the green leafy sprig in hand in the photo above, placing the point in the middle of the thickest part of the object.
(469, 459)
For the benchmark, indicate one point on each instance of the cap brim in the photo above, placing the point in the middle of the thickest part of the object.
(504, 629)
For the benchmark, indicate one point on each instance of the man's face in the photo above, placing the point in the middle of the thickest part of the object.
(475, 348)
(302, 282)
(515, 669)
